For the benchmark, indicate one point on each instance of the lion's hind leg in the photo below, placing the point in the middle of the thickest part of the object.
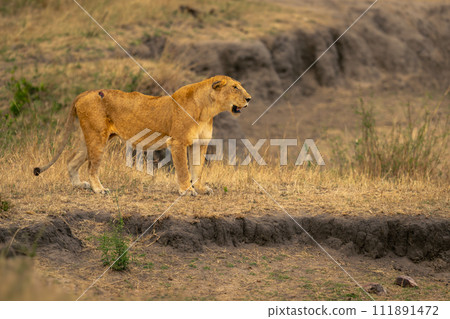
(76, 159)
(95, 148)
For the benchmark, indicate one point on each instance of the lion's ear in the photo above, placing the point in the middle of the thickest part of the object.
(218, 84)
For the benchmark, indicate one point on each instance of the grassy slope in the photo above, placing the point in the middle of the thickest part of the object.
(61, 48)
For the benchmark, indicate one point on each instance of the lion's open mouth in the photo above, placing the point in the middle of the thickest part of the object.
(236, 109)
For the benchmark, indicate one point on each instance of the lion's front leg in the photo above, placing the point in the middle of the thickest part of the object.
(197, 169)
(179, 157)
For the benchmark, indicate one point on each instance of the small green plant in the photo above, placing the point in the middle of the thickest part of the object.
(149, 265)
(24, 93)
(225, 189)
(4, 205)
(113, 245)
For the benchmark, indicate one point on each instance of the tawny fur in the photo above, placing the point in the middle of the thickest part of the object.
(102, 114)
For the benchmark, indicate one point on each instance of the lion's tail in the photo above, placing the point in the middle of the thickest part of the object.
(68, 129)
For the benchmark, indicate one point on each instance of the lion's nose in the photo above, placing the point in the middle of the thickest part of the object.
(248, 99)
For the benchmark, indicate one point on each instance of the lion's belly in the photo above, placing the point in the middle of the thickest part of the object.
(129, 125)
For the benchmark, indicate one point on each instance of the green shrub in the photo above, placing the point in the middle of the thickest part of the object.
(113, 245)
(24, 94)
(4, 205)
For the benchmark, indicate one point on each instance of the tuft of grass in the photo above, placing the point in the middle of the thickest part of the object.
(279, 276)
(113, 245)
(149, 265)
(414, 148)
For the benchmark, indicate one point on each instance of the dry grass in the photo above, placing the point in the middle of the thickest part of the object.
(231, 19)
(300, 190)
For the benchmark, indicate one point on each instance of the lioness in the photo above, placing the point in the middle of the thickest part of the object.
(102, 114)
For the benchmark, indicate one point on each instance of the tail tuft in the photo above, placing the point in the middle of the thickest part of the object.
(36, 171)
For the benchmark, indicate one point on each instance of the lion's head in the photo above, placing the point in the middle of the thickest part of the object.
(229, 94)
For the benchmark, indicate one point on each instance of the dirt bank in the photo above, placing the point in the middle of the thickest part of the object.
(417, 238)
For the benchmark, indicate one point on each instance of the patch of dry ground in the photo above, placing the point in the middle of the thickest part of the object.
(250, 272)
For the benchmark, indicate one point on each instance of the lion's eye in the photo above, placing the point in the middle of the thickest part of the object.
(235, 87)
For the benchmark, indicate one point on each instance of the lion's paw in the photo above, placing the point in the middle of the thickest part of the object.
(103, 191)
(189, 191)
